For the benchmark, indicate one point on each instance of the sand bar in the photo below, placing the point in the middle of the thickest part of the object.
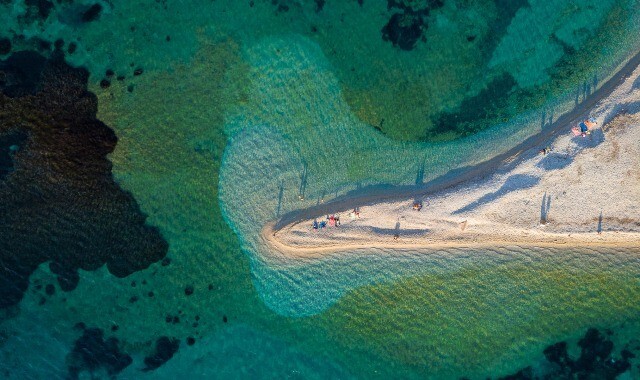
(584, 192)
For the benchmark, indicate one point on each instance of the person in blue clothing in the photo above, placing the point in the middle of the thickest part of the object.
(586, 126)
(583, 129)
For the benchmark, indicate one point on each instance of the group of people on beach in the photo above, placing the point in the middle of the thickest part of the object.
(584, 128)
(332, 221)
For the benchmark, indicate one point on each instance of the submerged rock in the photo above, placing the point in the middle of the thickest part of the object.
(165, 349)
(5, 46)
(43, 7)
(594, 362)
(50, 289)
(72, 48)
(409, 21)
(92, 13)
(92, 352)
(403, 30)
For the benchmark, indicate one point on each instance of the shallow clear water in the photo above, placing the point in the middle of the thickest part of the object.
(241, 107)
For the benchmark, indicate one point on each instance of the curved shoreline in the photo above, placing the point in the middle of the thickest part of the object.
(500, 163)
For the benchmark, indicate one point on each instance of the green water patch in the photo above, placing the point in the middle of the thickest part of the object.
(576, 70)
(480, 322)
(489, 105)
(504, 98)
(453, 84)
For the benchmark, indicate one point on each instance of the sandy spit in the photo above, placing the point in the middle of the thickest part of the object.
(583, 192)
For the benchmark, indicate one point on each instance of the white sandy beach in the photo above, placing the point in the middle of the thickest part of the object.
(584, 192)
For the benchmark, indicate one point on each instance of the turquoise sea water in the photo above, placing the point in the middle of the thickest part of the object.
(241, 107)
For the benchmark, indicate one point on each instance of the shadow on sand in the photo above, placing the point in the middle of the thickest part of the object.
(544, 208)
(599, 230)
(513, 183)
(595, 138)
(554, 161)
(396, 232)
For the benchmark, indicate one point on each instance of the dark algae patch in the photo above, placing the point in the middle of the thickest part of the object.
(92, 13)
(42, 7)
(403, 30)
(56, 174)
(21, 74)
(489, 103)
(407, 25)
(92, 353)
(165, 349)
(507, 10)
(50, 289)
(10, 145)
(594, 362)
(72, 48)
(5, 46)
